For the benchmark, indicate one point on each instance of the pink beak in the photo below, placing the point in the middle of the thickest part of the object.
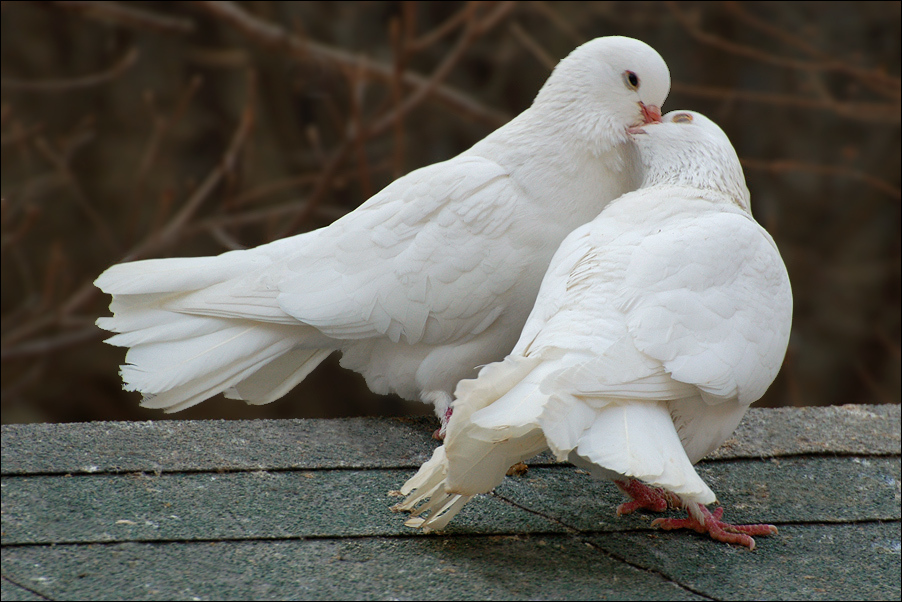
(650, 113)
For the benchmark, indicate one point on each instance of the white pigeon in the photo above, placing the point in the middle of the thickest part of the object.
(427, 280)
(655, 328)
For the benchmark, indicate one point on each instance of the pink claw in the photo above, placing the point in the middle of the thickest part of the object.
(710, 523)
(645, 498)
(439, 433)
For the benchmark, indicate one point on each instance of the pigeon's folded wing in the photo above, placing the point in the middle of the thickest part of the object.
(428, 268)
(711, 301)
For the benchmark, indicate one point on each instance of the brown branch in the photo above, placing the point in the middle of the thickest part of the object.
(532, 46)
(162, 125)
(475, 28)
(61, 160)
(171, 230)
(21, 135)
(85, 81)
(871, 112)
(453, 22)
(789, 166)
(322, 184)
(268, 188)
(156, 239)
(277, 39)
(128, 16)
(874, 79)
(225, 239)
(37, 347)
(546, 9)
(400, 33)
(825, 64)
(280, 211)
(242, 219)
(357, 84)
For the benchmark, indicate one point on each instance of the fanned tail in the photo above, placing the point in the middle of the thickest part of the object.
(636, 440)
(472, 461)
(595, 426)
(426, 495)
(196, 327)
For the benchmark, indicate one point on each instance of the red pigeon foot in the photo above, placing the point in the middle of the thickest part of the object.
(645, 498)
(704, 521)
(439, 433)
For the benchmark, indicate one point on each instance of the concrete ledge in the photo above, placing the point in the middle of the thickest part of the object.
(301, 509)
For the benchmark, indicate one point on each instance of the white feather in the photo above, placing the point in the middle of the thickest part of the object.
(656, 325)
(430, 278)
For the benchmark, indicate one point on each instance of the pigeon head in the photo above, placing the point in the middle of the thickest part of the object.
(688, 149)
(604, 89)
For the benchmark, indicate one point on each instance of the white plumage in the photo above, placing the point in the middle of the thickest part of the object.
(429, 279)
(656, 326)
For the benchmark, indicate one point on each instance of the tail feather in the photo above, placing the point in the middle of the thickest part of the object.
(638, 440)
(494, 424)
(503, 398)
(547, 406)
(190, 337)
(178, 274)
(278, 377)
(473, 459)
(628, 437)
(427, 495)
(440, 509)
(158, 326)
(173, 377)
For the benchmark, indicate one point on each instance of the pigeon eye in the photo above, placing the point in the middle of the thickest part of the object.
(682, 118)
(631, 80)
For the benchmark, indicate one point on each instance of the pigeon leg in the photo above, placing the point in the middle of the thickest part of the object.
(439, 433)
(645, 497)
(704, 521)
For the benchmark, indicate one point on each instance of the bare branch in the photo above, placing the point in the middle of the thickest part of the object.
(825, 64)
(170, 231)
(162, 126)
(532, 46)
(447, 26)
(61, 162)
(51, 343)
(85, 81)
(560, 23)
(883, 113)
(874, 79)
(128, 16)
(823, 170)
(154, 241)
(322, 185)
(475, 28)
(277, 39)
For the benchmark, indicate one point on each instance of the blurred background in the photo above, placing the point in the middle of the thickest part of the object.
(157, 129)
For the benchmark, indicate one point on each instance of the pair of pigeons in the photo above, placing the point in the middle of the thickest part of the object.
(595, 263)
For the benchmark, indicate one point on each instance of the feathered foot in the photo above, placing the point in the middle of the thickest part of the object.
(646, 498)
(704, 521)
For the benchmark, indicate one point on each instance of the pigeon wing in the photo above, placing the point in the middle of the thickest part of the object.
(420, 261)
(711, 301)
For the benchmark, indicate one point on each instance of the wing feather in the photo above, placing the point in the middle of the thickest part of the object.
(435, 252)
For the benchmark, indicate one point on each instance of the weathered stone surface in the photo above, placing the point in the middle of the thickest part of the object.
(302, 509)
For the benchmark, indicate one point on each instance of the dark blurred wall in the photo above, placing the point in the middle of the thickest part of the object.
(155, 129)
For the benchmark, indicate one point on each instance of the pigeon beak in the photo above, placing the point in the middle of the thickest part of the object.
(650, 113)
